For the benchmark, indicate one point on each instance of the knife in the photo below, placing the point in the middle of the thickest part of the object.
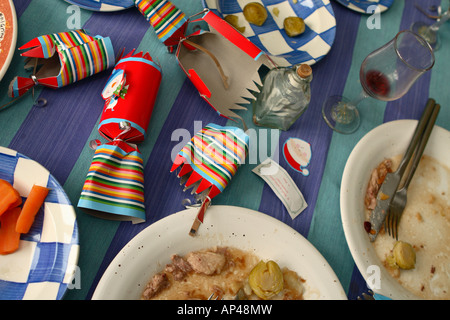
(392, 180)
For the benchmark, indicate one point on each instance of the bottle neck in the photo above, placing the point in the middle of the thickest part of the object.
(296, 79)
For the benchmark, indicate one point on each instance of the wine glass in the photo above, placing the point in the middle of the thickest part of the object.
(385, 74)
(430, 32)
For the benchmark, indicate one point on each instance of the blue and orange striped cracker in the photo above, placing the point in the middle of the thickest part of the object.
(167, 20)
(114, 186)
(212, 157)
(80, 56)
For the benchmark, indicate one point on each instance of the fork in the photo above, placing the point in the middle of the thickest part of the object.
(214, 296)
(372, 296)
(399, 200)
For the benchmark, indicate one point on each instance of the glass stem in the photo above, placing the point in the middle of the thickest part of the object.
(344, 112)
(362, 95)
(435, 26)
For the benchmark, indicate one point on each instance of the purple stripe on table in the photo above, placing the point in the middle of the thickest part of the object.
(412, 104)
(20, 6)
(329, 78)
(74, 110)
(357, 285)
(187, 108)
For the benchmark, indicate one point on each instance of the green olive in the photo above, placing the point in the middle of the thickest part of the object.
(233, 20)
(294, 26)
(266, 279)
(255, 13)
(404, 255)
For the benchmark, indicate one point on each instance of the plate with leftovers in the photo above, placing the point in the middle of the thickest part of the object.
(290, 32)
(44, 263)
(417, 265)
(367, 6)
(103, 5)
(8, 34)
(240, 245)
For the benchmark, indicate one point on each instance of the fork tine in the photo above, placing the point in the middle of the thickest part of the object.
(394, 225)
(386, 223)
(390, 223)
(394, 229)
(397, 222)
(213, 296)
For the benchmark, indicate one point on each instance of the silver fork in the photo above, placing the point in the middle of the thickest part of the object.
(399, 200)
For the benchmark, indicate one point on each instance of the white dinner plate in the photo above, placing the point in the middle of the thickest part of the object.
(366, 6)
(309, 47)
(149, 251)
(387, 140)
(45, 263)
(103, 5)
(8, 35)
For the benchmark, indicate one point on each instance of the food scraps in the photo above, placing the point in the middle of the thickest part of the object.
(223, 273)
(234, 21)
(294, 26)
(255, 13)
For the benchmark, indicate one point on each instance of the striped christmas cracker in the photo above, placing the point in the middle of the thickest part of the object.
(167, 20)
(63, 40)
(212, 157)
(80, 56)
(114, 185)
(84, 59)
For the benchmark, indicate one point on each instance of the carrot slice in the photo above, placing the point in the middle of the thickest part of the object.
(9, 197)
(31, 207)
(9, 238)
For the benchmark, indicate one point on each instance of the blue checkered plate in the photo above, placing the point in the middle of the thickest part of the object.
(103, 5)
(309, 47)
(367, 6)
(45, 263)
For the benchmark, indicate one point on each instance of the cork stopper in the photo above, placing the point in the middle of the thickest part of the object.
(304, 70)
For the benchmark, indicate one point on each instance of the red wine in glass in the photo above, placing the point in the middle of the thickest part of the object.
(385, 74)
(377, 84)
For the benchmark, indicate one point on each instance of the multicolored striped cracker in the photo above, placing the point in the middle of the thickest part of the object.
(45, 46)
(80, 56)
(114, 186)
(212, 158)
(168, 21)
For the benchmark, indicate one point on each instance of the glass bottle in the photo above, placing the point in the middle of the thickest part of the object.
(283, 98)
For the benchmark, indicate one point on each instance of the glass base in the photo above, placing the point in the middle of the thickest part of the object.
(423, 30)
(340, 115)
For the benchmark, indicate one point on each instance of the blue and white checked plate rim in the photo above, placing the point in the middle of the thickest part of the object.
(309, 48)
(363, 6)
(45, 264)
(103, 5)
